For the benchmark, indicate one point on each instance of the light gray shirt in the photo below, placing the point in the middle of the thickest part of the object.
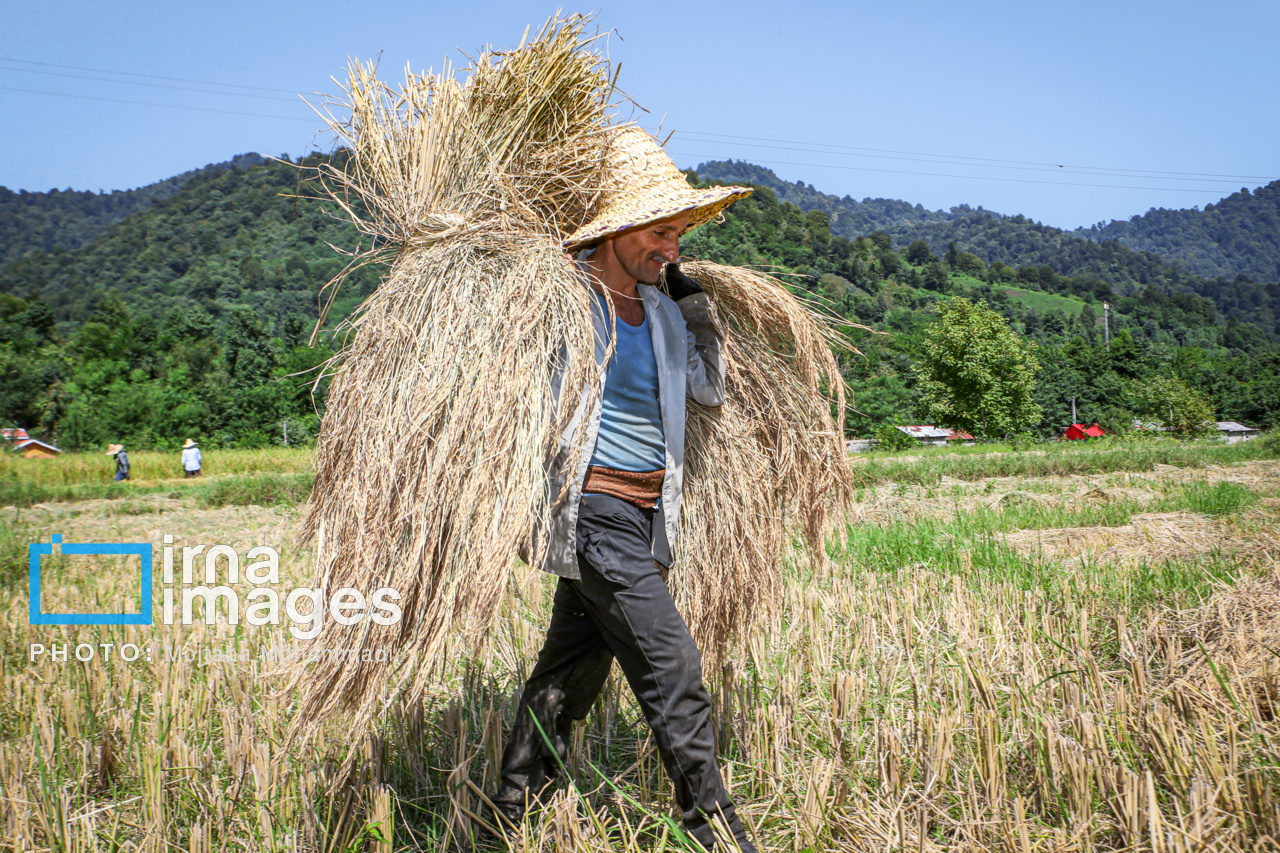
(686, 348)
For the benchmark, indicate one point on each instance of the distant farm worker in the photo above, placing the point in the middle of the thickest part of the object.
(623, 509)
(122, 461)
(191, 458)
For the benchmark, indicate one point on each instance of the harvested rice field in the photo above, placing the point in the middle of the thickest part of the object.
(1078, 655)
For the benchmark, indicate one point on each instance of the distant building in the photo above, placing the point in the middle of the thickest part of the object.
(33, 449)
(1080, 432)
(1234, 433)
(930, 435)
(16, 434)
(859, 445)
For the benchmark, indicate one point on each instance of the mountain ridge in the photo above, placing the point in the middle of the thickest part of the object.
(1021, 242)
(70, 219)
(1238, 235)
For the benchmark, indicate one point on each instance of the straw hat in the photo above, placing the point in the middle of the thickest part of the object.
(113, 449)
(642, 185)
(188, 443)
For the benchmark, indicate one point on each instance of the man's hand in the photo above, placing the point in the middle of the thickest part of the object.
(680, 285)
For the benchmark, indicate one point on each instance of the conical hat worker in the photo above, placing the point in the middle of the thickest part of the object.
(191, 459)
(122, 461)
(623, 506)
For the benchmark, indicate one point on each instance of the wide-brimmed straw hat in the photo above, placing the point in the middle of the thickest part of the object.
(113, 449)
(188, 443)
(643, 185)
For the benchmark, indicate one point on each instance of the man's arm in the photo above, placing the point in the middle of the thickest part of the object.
(704, 366)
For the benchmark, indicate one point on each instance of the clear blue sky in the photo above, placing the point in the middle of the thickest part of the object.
(1127, 89)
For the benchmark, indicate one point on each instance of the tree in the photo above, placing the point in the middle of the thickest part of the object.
(951, 254)
(969, 264)
(1174, 405)
(819, 225)
(936, 277)
(918, 252)
(977, 374)
(1088, 322)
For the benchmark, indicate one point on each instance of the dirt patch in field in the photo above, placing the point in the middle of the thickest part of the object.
(149, 518)
(1261, 476)
(1117, 494)
(1150, 536)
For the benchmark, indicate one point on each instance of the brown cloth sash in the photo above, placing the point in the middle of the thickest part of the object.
(642, 488)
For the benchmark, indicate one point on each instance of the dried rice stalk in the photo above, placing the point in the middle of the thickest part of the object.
(1236, 632)
(430, 467)
(770, 460)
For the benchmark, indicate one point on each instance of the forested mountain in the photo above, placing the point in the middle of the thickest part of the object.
(190, 317)
(69, 219)
(1235, 366)
(1240, 235)
(228, 237)
(1019, 242)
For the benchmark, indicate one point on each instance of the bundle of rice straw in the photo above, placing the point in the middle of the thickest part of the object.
(441, 422)
(770, 461)
(430, 464)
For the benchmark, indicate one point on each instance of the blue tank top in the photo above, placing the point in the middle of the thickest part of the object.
(631, 437)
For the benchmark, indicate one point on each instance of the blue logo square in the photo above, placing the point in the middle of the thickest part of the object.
(141, 549)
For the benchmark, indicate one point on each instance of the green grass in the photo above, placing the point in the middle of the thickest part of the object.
(971, 546)
(1222, 498)
(266, 490)
(278, 475)
(929, 467)
(22, 493)
(1044, 302)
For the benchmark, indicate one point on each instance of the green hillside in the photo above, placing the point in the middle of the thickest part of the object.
(188, 318)
(68, 219)
(1086, 261)
(228, 237)
(1238, 236)
(874, 280)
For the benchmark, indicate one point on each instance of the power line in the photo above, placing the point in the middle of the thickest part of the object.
(807, 147)
(982, 159)
(151, 76)
(152, 104)
(976, 177)
(153, 85)
(1062, 170)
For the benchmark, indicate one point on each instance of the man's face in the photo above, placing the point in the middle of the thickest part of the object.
(643, 252)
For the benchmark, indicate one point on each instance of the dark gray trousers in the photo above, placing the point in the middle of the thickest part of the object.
(620, 608)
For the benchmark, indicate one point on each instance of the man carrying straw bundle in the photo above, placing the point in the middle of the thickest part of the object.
(622, 513)
(494, 398)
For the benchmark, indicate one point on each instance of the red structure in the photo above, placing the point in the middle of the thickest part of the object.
(1080, 432)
